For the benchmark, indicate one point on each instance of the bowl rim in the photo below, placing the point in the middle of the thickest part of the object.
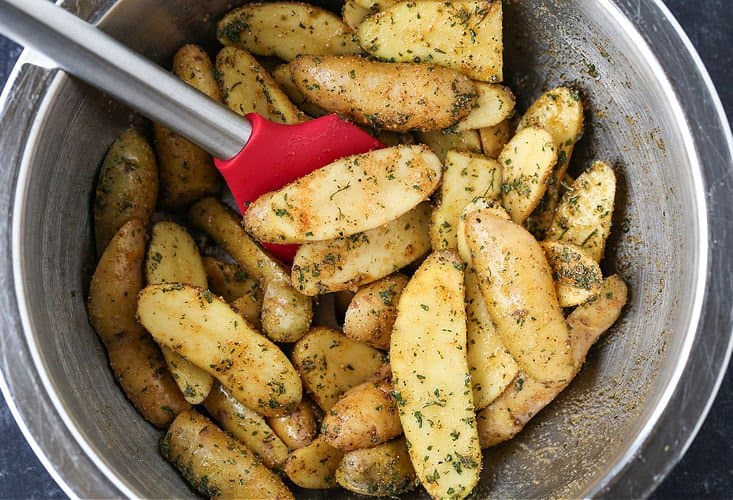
(696, 351)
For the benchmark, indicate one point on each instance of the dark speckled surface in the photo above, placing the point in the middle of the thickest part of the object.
(705, 472)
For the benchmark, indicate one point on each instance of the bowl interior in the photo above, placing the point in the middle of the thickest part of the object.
(657, 245)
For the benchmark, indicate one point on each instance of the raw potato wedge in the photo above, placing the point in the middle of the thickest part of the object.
(527, 162)
(248, 88)
(187, 172)
(395, 96)
(487, 206)
(516, 282)
(127, 186)
(560, 112)
(493, 139)
(289, 314)
(381, 471)
(490, 364)
(583, 217)
(330, 364)
(314, 466)
(441, 141)
(372, 311)
(286, 30)
(173, 257)
(205, 330)
(247, 426)
(298, 429)
(463, 35)
(133, 356)
(347, 263)
(465, 177)
(495, 104)
(431, 381)
(284, 79)
(366, 416)
(577, 276)
(229, 281)
(216, 464)
(349, 196)
(507, 415)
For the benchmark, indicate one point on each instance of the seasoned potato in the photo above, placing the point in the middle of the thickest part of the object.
(382, 471)
(432, 385)
(286, 30)
(393, 96)
(493, 139)
(127, 187)
(353, 14)
(441, 141)
(284, 79)
(298, 429)
(248, 88)
(314, 466)
(349, 196)
(330, 364)
(527, 162)
(560, 112)
(490, 364)
(488, 206)
(516, 282)
(288, 315)
(187, 172)
(229, 281)
(495, 104)
(205, 330)
(583, 217)
(372, 311)
(507, 415)
(577, 276)
(216, 464)
(463, 35)
(466, 176)
(347, 263)
(366, 416)
(135, 359)
(247, 426)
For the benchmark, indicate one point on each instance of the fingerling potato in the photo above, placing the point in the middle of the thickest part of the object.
(298, 429)
(206, 331)
(230, 281)
(133, 356)
(365, 416)
(381, 471)
(463, 35)
(314, 466)
(216, 464)
(127, 186)
(442, 141)
(286, 30)
(488, 206)
(577, 276)
(330, 364)
(495, 103)
(394, 96)
(372, 311)
(347, 263)
(516, 282)
(246, 426)
(349, 196)
(284, 79)
(493, 139)
(432, 385)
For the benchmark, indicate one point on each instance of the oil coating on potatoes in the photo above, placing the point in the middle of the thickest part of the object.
(393, 96)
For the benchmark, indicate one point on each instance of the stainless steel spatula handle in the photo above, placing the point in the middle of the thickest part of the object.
(93, 56)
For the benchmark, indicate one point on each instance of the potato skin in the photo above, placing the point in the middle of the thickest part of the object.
(127, 186)
(395, 96)
(372, 312)
(298, 429)
(382, 471)
(314, 466)
(366, 416)
(216, 464)
(135, 359)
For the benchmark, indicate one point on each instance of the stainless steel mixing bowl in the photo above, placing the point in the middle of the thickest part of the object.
(647, 386)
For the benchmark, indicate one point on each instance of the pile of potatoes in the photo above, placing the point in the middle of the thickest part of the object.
(446, 287)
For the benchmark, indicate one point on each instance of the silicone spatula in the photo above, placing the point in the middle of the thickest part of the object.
(253, 154)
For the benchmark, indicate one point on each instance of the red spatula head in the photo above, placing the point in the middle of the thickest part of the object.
(278, 154)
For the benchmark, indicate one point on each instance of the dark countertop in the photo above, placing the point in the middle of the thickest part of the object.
(704, 472)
